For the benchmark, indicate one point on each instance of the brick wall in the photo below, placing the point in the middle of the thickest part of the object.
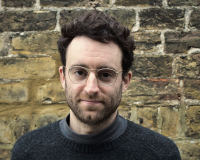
(164, 94)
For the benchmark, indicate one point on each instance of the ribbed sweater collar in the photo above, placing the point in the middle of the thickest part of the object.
(110, 133)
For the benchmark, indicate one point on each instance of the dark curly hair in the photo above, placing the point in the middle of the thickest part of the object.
(100, 27)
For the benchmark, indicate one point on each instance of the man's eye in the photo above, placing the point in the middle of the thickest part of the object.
(80, 73)
(106, 75)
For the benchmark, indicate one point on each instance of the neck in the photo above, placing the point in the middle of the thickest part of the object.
(81, 128)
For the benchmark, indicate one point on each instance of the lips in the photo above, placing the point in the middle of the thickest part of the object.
(91, 101)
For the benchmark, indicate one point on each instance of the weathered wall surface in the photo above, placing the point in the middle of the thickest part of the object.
(164, 94)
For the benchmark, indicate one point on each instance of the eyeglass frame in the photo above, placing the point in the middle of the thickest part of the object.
(96, 70)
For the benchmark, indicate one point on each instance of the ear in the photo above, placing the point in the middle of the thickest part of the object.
(62, 76)
(126, 81)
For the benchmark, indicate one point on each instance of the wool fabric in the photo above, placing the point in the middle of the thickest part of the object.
(136, 143)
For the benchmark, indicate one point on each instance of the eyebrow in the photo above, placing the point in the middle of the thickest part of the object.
(100, 67)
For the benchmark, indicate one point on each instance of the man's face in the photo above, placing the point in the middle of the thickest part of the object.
(92, 103)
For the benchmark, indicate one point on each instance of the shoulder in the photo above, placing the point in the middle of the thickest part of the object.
(34, 138)
(158, 143)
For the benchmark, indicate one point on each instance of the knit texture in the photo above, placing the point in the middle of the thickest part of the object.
(110, 133)
(136, 143)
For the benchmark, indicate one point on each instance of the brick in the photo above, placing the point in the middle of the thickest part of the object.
(147, 117)
(5, 154)
(46, 114)
(183, 2)
(151, 91)
(146, 42)
(29, 68)
(27, 21)
(181, 42)
(162, 19)
(169, 122)
(17, 120)
(194, 19)
(13, 92)
(187, 66)
(124, 111)
(1, 42)
(189, 151)
(4, 44)
(50, 92)
(152, 66)
(5, 131)
(18, 3)
(192, 89)
(21, 125)
(40, 43)
(126, 17)
(77, 3)
(61, 3)
(2, 53)
(35, 109)
(138, 2)
(58, 110)
(46, 119)
(99, 3)
(143, 115)
(193, 120)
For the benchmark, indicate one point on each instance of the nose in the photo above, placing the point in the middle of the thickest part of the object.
(91, 85)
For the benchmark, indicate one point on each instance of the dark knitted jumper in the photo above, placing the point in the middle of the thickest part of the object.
(136, 143)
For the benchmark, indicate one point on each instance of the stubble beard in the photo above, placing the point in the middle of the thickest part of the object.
(110, 105)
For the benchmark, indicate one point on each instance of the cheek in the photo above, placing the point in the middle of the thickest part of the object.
(117, 84)
(108, 89)
(74, 88)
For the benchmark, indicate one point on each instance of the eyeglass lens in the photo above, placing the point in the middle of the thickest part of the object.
(104, 76)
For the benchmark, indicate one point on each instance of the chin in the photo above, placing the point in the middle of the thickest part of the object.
(92, 118)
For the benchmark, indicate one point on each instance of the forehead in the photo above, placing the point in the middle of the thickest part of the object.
(93, 54)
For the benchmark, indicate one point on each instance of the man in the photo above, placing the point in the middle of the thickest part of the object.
(96, 53)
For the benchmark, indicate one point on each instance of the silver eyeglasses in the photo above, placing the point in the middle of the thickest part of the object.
(105, 76)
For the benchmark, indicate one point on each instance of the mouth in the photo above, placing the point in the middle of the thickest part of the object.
(90, 102)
